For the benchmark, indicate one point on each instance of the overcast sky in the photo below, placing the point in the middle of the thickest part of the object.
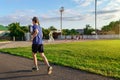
(76, 15)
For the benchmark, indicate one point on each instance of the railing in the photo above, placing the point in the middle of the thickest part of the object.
(77, 37)
(101, 36)
(90, 37)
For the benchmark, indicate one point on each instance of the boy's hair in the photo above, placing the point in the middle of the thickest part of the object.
(36, 20)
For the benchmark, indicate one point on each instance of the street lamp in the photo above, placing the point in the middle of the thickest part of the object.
(61, 11)
(96, 18)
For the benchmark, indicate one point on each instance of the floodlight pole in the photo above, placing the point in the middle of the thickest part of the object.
(96, 19)
(61, 11)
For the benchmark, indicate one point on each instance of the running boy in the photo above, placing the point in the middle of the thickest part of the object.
(37, 45)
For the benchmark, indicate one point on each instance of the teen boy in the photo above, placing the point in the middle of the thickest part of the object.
(37, 45)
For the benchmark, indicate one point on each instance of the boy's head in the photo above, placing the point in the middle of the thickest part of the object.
(35, 20)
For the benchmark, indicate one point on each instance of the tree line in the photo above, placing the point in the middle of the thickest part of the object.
(18, 31)
(111, 26)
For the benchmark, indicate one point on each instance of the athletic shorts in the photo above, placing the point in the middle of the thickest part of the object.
(37, 48)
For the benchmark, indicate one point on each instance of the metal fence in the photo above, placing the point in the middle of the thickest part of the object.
(77, 37)
(90, 37)
(101, 36)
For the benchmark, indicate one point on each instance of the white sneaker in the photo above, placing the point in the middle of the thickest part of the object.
(50, 70)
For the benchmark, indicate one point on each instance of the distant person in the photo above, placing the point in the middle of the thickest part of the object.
(37, 45)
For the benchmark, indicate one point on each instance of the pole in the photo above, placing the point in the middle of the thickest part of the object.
(61, 24)
(61, 10)
(96, 18)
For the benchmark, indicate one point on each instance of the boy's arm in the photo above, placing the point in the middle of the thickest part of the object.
(34, 34)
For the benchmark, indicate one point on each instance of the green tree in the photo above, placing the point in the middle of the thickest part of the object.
(69, 32)
(52, 28)
(16, 30)
(88, 30)
(66, 32)
(105, 28)
(45, 33)
(111, 26)
(73, 32)
(24, 28)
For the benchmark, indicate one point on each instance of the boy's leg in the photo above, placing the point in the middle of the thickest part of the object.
(35, 59)
(45, 59)
(47, 63)
(35, 68)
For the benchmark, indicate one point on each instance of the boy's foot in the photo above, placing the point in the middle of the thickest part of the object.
(35, 69)
(50, 70)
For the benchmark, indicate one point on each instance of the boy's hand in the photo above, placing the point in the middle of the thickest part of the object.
(32, 33)
(31, 38)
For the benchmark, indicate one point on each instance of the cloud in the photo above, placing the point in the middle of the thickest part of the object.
(68, 15)
(21, 16)
(71, 18)
(83, 2)
(24, 18)
(100, 2)
(110, 11)
(107, 14)
(113, 4)
(106, 11)
(74, 18)
(87, 2)
(5, 20)
(108, 17)
(72, 12)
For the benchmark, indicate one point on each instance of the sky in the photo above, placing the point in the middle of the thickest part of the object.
(77, 13)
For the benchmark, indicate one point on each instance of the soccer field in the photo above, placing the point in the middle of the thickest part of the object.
(97, 56)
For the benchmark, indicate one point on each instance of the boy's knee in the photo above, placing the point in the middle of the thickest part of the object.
(42, 55)
(34, 54)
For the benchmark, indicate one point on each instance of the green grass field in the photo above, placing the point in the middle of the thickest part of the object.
(101, 56)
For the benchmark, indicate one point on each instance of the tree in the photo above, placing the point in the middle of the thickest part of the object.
(105, 28)
(109, 27)
(16, 30)
(112, 26)
(66, 32)
(24, 28)
(88, 30)
(69, 32)
(73, 32)
(52, 28)
(45, 33)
